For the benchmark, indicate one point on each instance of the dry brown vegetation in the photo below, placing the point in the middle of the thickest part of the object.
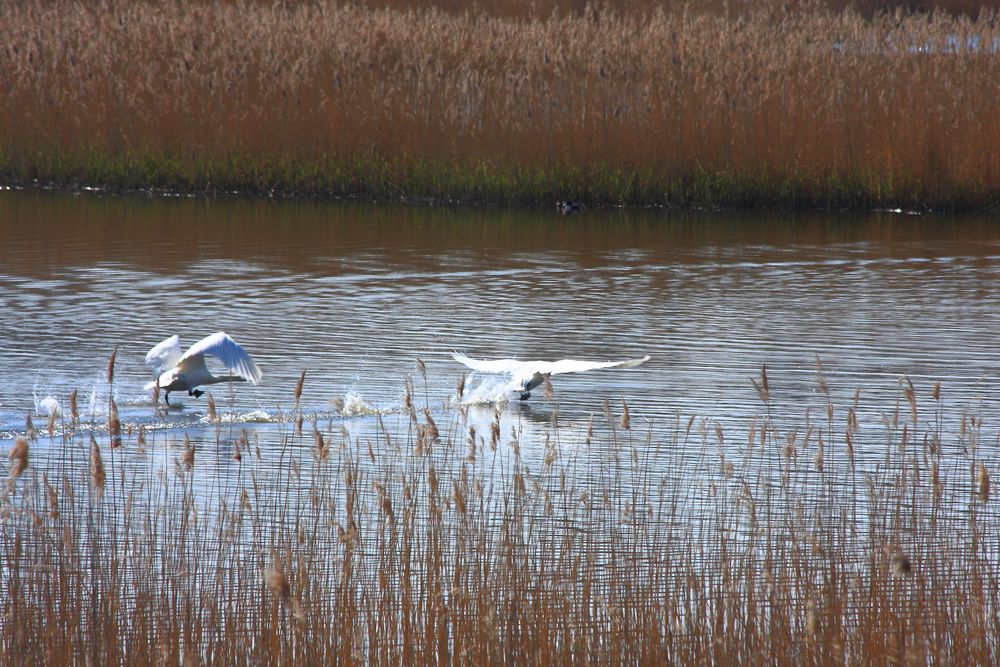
(837, 543)
(774, 105)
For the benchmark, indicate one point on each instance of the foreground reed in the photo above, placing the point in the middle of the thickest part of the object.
(783, 105)
(476, 542)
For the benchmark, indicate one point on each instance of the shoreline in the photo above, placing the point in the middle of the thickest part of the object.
(781, 108)
(399, 196)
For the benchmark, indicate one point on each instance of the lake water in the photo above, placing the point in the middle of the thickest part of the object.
(354, 294)
(708, 477)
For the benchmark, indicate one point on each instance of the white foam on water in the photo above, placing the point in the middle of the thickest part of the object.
(355, 405)
(48, 406)
(488, 391)
(253, 417)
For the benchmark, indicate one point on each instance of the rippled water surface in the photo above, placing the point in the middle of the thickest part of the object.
(354, 294)
(859, 461)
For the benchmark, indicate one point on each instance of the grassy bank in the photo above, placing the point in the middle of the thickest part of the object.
(844, 543)
(787, 107)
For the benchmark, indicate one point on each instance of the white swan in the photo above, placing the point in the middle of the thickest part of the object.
(526, 375)
(179, 372)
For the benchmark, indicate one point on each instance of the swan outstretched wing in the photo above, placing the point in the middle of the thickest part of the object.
(501, 366)
(221, 346)
(520, 368)
(164, 355)
(578, 366)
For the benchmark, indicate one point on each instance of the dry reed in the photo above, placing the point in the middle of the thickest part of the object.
(431, 547)
(97, 473)
(781, 103)
(18, 457)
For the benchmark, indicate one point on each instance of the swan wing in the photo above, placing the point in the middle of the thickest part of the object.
(164, 355)
(528, 368)
(502, 366)
(578, 365)
(232, 355)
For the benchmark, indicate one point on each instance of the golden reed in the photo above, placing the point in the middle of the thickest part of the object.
(779, 103)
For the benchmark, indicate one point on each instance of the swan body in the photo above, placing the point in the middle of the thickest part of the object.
(526, 375)
(184, 371)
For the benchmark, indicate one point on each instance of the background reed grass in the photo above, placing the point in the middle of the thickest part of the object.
(836, 542)
(774, 104)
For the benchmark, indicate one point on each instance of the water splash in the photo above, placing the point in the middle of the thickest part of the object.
(355, 405)
(488, 391)
(92, 399)
(48, 406)
(254, 417)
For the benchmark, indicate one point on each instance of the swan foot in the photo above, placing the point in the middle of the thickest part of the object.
(195, 392)
(524, 395)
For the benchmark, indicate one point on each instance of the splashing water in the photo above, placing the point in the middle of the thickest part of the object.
(356, 406)
(489, 390)
(254, 417)
(48, 406)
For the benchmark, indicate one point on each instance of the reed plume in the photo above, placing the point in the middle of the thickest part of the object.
(73, 408)
(111, 365)
(812, 617)
(984, 483)
(470, 445)
(18, 458)
(298, 387)
(114, 425)
(763, 390)
(321, 449)
(433, 434)
(97, 475)
(276, 581)
(186, 459)
(901, 565)
(51, 496)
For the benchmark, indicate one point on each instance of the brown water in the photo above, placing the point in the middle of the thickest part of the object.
(355, 293)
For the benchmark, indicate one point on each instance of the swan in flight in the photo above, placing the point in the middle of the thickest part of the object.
(177, 371)
(526, 375)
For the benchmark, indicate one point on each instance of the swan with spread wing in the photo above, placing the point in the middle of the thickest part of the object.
(184, 371)
(526, 375)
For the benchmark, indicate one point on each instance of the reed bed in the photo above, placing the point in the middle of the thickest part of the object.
(441, 539)
(779, 104)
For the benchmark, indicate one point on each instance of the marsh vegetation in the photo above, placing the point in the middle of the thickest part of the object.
(780, 104)
(431, 541)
